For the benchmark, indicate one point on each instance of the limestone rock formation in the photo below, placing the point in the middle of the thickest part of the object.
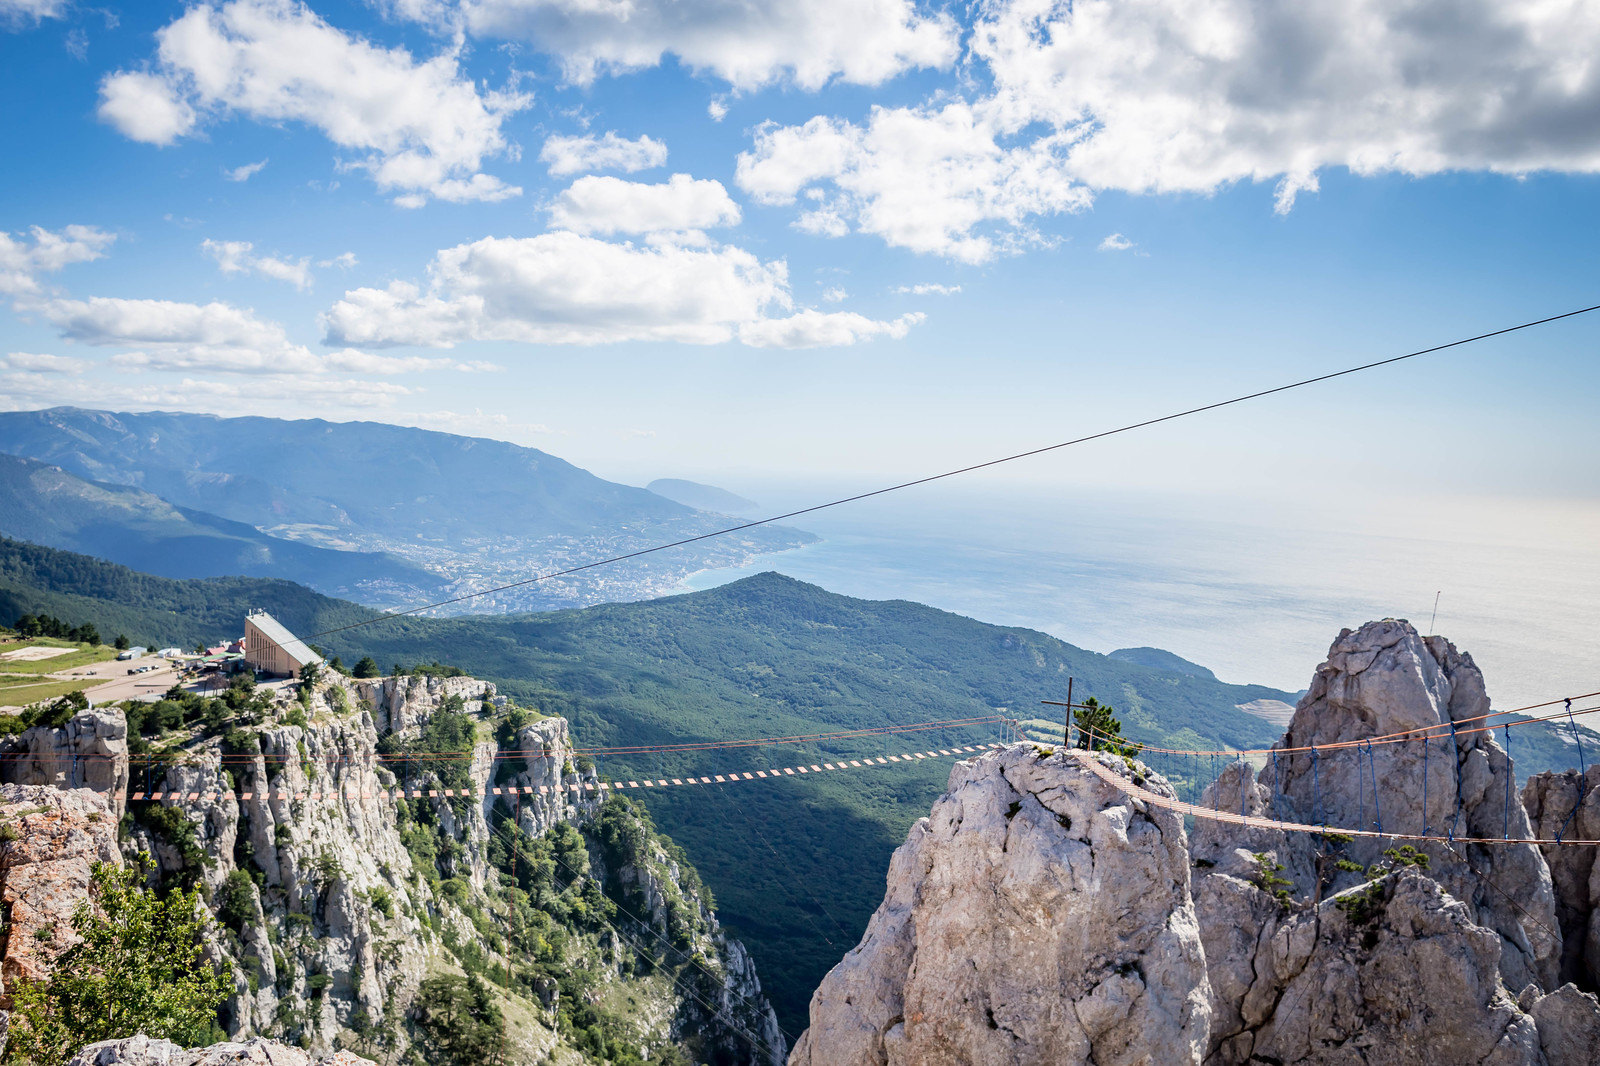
(143, 1051)
(405, 702)
(90, 751)
(1380, 680)
(1569, 804)
(1391, 973)
(1569, 1026)
(49, 841)
(1038, 915)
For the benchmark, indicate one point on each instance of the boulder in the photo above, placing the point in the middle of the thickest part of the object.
(1038, 915)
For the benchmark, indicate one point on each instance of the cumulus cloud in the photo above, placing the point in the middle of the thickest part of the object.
(19, 13)
(835, 295)
(611, 205)
(344, 261)
(1188, 95)
(1162, 96)
(218, 337)
(21, 260)
(566, 288)
(246, 172)
(235, 257)
(566, 155)
(1115, 243)
(420, 129)
(929, 289)
(746, 44)
(932, 179)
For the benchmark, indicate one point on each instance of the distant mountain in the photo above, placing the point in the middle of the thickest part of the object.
(1157, 659)
(703, 497)
(350, 480)
(482, 512)
(47, 505)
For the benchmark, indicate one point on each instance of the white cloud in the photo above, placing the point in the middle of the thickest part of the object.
(1188, 95)
(1115, 243)
(834, 295)
(574, 155)
(344, 261)
(747, 44)
(929, 289)
(717, 108)
(565, 288)
(216, 337)
(246, 172)
(821, 329)
(422, 128)
(930, 179)
(17, 13)
(611, 205)
(42, 364)
(234, 257)
(49, 251)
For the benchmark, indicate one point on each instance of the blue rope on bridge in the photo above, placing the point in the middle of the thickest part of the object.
(1510, 773)
(1372, 766)
(1583, 772)
(1425, 784)
(1456, 753)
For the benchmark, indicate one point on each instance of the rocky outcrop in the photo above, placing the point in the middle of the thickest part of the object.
(1395, 972)
(143, 1051)
(1568, 804)
(90, 751)
(1381, 680)
(49, 842)
(405, 702)
(1569, 1026)
(1038, 915)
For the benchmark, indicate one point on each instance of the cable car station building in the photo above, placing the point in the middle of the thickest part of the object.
(270, 648)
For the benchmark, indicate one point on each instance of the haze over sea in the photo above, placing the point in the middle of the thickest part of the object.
(1255, 590)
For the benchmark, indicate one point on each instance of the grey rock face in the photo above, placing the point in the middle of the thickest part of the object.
(1402, 977)
(1569, 1027)
(55, 838)
(1382, 679)
(1568, 802)
(90, 751)
(401, 703)
(1038, 915)
(143, 1051)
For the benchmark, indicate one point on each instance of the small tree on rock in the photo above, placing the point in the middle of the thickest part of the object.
(1099, 729)
(365, 668)
(138, 967)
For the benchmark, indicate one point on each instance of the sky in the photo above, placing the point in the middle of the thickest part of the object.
(832, 242)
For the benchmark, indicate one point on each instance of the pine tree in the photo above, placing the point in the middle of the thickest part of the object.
(1100, 730)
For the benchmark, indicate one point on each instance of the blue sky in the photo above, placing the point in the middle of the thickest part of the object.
(468, 217)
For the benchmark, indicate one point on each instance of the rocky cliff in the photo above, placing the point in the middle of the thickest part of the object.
(355, 919)
(1043, 913)
(1568, 805)
(1035, 916)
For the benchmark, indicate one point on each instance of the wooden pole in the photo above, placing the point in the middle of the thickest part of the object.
(1066, 729)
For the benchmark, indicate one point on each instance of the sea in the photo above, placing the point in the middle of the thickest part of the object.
(1254, 588)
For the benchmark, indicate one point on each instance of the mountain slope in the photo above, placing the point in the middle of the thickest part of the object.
(47, 505)
(483, 513)
(354, 479)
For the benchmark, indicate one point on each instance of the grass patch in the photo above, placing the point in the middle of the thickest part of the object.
(24, 694)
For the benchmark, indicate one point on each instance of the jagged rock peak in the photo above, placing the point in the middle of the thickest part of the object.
(1568, 803)
(1379, 680)
(89, 751)
(142, 1051)
(1038, 914)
